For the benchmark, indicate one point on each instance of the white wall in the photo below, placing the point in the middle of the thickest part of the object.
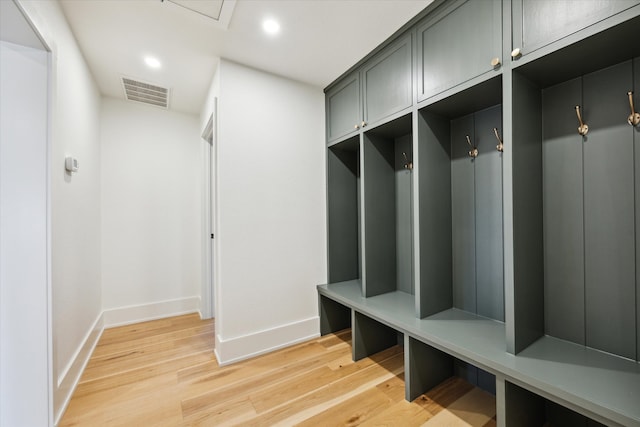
(24, 245)
(75, 201)
(152, 212)
(271, 211)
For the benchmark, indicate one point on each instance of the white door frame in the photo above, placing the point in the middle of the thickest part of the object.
(208, 304)
(25, 248)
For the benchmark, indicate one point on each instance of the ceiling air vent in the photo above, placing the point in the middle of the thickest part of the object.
(145, 93)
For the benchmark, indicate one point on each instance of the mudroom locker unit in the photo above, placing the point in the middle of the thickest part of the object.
(483, 205)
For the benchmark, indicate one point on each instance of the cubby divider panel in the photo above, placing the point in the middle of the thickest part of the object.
(636, 141)
(343, 210)
(434, 151)
(425, 367)
(527, 304)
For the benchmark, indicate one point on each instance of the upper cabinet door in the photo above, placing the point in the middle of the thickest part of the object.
(344, 115)
(462, 41)
(541, 22)
(387, 81)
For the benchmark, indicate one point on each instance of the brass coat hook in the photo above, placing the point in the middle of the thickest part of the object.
(500, 146)
(583, 128)
(408, 164)
(473, 153)
(634, 118)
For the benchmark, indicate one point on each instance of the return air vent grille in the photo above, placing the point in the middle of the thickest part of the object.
(145, 93)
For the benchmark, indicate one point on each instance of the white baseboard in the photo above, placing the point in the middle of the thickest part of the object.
(158, 310)
(68, 379)
(244, 347)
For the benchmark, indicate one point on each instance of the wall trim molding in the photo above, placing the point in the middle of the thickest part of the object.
(69, 378)
(144, 312)
(234, 350)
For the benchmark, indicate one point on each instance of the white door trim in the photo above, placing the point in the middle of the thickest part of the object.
(208, 308)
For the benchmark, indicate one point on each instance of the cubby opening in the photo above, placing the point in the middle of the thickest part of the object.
(527, 409)
(577, 201)
(343, 211)
(427, 368)
(460, 196)
(388, 208)
(334, 317)
(371, 337)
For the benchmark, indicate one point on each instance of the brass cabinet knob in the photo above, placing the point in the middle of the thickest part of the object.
(363, 123)
(356, 127)
(516, 53)
(495, 62)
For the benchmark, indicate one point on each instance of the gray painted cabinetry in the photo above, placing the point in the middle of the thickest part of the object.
(387, 81)
(539, 23)
(343, 108)
(461, 31)
(474, 220)
(379, 89)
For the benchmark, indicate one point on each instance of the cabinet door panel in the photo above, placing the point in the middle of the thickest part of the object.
(609, 213)
(387, 82)
(459, 45)
(379, 216)
(538, 23)
(343, 108)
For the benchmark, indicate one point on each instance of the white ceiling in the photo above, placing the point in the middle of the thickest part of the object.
(319, 40)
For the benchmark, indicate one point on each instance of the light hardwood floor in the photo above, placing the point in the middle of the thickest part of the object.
(163, 373)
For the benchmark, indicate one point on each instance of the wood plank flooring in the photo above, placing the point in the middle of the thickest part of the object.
(164, 373)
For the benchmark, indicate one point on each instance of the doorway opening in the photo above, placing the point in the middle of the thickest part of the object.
(208, 306)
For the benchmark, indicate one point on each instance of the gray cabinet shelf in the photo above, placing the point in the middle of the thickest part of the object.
(602, 386)
(518, 269)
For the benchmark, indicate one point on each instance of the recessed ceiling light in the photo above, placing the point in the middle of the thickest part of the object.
(270, 26)
(152, 62)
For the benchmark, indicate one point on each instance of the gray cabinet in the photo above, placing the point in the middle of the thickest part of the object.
(541, 22)
(344, 114)
(523, 259)
(462, 41)
(387, 82)
(382, 87)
